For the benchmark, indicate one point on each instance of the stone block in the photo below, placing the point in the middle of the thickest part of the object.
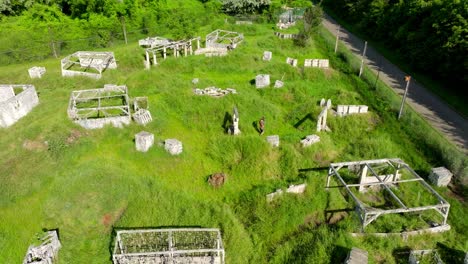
(143, 141)
(291, 61)
(309, 140)
(278, 84)
(272, 196)
(353, 109)
(363, 109)
(296, 188)
(36, 72)
(267, 55)
(440, 176)
(262, 80)
(173, 146)
(273, 140)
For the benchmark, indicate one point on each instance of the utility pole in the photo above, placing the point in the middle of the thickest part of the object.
(407, 79)
(362, 58)
(337, 38)
(122, 20)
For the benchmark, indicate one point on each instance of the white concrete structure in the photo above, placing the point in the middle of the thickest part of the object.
(267, 55)
(36, 72)
(173, 146)
(88, 63)
(16, 101)
(144, 141)
(309, 140)
(278, 84)
(262, 80)
(316, 63)
(440, 176)
(344, 110)
(46, 252)
(291, 61)
(274, 140)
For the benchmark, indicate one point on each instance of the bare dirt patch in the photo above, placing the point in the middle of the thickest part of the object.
(35, 145)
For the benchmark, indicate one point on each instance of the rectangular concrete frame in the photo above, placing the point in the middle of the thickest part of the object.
(368, 214)
(216, 38)
(172, 254)
(15, 106)
(99, 61)
(82, 116)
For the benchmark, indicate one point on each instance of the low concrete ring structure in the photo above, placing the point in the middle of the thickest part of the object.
(219, 37)
(86, 61)
(368, 214)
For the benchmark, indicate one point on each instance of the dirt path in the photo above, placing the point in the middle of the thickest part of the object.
(451, 124)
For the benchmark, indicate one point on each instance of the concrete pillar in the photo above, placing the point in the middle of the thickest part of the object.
(198, 43)
(185, 50)
(155, 62)
(147, 59)
(164, 52)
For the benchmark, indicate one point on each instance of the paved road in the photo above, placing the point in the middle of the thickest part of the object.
(433, 109)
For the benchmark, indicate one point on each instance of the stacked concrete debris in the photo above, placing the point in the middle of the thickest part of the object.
(309, 140)
(343, 110)
(273, 140)
(357, 256)
(285, 25)
(440, 176)
(215, 92)
(285, 36)
(173, 146)
(262, 80)
(291, 61)
(36, 72)
(46, 253)
(143, 141)
(297, 189)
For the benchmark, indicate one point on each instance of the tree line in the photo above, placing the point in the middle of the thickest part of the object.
(430, 35)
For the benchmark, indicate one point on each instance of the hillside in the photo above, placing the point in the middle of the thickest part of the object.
(87, 183)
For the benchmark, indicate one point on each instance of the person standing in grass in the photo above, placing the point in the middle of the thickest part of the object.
(262, 125)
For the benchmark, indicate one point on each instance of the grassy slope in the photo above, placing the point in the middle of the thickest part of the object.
(87, 186)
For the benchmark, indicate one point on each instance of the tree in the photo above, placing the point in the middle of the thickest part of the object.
(311, 21)
(244, 6)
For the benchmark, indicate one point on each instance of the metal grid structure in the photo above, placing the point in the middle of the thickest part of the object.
(392, 168)
(94, 108)
(83, 63)
(223, 39)
(181, 245)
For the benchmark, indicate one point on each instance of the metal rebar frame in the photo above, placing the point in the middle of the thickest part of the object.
(168, 248)
(369, 214)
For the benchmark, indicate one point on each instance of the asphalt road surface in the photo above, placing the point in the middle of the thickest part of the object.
(441, 116)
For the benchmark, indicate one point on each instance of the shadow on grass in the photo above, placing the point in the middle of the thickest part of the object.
(450, 255)
(305, 118)
(339, 254)
(401, 255)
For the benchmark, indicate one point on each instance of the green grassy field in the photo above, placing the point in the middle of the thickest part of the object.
(86, 183)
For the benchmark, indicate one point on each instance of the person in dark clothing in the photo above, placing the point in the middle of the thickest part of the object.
(262, 125)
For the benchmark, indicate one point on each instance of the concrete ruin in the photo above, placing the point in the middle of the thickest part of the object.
(142, 115)
(278, 84)
(95, 108)
(309, 140)
(267, 55)
(357, 256)
(440, 176)
(144, 141)
(46, 252)
(274, 140)
(172, 245)
(262, 80)
(296, 189)
(173, 146)
(223, 39)
(344, 110)
(285, 25)
(234, 129)
(88, 63)
(16, 101)
(286, 36)
(291, 61)
(162, 45)
(244, 22)
(36, 72)
(316, 63)
(384, 174)
(151, 42)
(430, 255)
(322, 120)
(214, 92)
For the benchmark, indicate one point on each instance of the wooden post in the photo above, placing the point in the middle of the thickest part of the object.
(362, 58)
(122, 20)
(52, 42)
(407, 79)
(337, 38)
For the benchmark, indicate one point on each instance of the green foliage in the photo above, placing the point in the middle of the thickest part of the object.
(428, 35)
(312, 19)
(245, 6)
